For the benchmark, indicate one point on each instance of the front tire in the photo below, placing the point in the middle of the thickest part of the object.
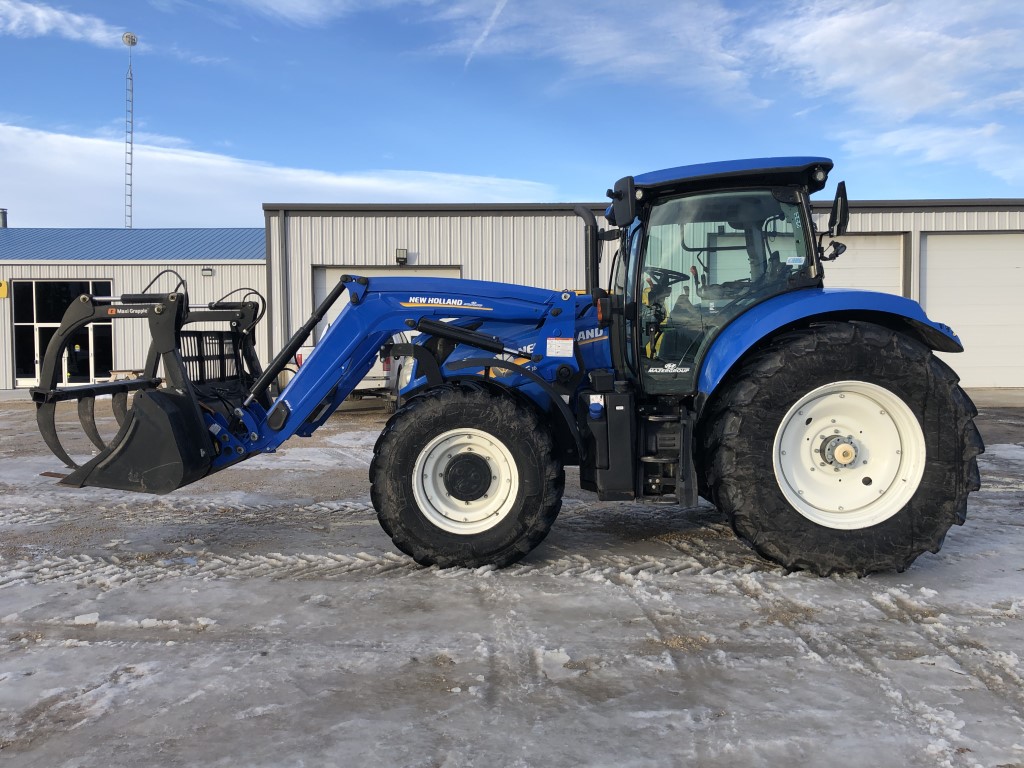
(465, 477)
(844, 447)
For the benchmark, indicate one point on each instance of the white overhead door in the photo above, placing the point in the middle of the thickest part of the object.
(871, 262)
(975, 284)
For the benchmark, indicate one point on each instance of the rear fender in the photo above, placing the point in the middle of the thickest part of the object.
(791, 310)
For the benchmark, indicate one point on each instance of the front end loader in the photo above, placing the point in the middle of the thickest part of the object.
(715, 363)
(202, 402)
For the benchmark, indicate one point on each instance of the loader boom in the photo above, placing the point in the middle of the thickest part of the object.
(377, 309)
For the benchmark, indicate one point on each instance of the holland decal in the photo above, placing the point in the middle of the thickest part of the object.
(441, 301)
(590, 336)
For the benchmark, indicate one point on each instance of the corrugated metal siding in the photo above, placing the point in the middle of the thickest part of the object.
(131, 338)
(543, 248)
(878, 221)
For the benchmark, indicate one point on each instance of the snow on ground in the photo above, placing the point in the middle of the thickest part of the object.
(264, 619)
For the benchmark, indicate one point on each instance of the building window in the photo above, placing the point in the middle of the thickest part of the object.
(39, 306)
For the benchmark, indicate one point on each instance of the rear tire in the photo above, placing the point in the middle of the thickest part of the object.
(464, 477)
(845, 447)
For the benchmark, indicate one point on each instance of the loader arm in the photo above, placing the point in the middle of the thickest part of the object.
(377, 309)
(203, 430)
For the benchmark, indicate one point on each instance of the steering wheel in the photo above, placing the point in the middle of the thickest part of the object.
(666, 277)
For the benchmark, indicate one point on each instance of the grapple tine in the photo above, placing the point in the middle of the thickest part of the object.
(87, 417)
(45, 415)
(119, 405)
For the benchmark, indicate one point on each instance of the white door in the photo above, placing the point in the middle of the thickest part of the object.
(38, 309)
(325, 278)
(974, 283)
(871, 262)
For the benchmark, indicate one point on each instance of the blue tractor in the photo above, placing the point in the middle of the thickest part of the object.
(714, 363)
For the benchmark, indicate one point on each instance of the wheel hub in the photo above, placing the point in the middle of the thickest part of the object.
(467, 477)
(838, 451)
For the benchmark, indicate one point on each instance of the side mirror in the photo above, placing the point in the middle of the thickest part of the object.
(838, 249)
(623, 198)
(839, 219)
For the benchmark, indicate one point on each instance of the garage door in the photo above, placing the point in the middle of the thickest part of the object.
(871, 262)
(975, 283)
(325, 278)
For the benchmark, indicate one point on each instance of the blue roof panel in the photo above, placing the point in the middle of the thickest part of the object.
(730, 168)
(29, 244)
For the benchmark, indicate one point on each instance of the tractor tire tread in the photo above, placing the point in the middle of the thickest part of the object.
(465, 404)
(744, 414)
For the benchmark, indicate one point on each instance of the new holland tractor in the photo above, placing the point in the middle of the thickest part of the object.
(714, 363)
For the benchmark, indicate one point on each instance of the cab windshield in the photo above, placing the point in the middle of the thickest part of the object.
(706, 258)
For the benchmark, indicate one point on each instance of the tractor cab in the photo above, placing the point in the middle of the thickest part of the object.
(700, 245)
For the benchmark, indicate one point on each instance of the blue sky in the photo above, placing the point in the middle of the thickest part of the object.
(241, 102)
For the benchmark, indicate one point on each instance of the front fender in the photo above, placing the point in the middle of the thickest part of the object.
(789, 309)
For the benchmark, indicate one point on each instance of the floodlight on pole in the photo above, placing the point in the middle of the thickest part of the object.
(131, 41)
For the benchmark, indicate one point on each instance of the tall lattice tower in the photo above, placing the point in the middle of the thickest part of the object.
(129, 129)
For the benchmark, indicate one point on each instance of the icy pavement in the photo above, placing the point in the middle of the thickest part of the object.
(262, 618)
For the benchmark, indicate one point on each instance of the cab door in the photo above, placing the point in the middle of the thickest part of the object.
(699, 261)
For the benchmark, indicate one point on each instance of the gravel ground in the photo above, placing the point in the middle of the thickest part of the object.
(261, 617)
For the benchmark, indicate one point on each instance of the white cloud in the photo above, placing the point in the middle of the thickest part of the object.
(687, 43)
(24, 19)
(988, 147)
(303, 12)
(19, 18)
(191, 57)
(901, 59)
(58, 180)
(482, 38)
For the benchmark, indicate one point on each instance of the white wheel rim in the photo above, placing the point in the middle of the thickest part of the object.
(849, 455)
(461, 515)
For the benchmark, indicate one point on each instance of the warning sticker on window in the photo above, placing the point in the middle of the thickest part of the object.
(559, 347)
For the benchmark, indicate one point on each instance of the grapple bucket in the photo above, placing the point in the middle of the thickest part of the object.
(162, 445)
(163, 440)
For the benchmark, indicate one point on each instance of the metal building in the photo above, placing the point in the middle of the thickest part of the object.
(310, 246)
(43, 270)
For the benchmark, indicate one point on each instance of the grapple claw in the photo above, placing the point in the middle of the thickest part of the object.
(87, 418)
(119, 405)
(45, 414)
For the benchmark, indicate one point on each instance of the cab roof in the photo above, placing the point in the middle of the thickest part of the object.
(756, 171)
